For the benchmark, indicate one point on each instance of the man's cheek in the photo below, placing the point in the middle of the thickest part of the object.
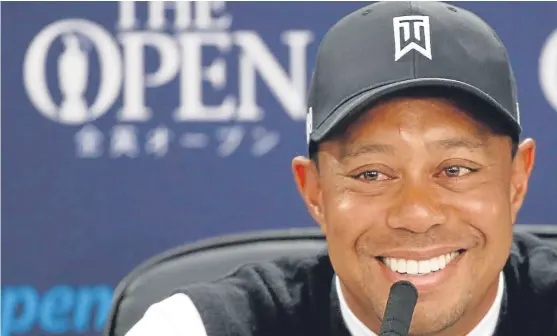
(477, 263)
(480, 205)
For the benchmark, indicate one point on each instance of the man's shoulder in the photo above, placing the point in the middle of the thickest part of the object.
(284, 276)
(286, 268)
(534, 261)
(536, 258)
(264, 298)
(269, 296)
(531, 281)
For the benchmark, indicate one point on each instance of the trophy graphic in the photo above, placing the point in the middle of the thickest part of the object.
(73, 69)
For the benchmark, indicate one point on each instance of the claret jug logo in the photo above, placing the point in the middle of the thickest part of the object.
(99, 72)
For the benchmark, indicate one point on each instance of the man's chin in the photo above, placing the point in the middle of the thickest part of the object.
(431, 318)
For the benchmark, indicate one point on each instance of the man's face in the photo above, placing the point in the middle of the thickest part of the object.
(417, 190)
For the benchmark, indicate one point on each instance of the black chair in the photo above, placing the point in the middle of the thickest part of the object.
(156, 278)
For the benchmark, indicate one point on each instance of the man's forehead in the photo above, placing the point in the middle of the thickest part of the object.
(375, 130)
(417, 113)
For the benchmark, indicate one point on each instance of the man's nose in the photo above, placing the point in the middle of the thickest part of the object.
(416, 208)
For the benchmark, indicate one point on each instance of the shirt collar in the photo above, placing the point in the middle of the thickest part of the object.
(486, 326)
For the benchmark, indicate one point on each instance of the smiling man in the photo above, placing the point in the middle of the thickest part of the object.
(417, 188)
(415, 172)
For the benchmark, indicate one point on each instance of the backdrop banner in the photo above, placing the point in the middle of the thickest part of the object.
(130, 128)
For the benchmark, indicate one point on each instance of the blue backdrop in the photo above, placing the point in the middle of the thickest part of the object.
(132, 128)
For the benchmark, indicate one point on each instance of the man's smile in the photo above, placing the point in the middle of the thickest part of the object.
(425, 269)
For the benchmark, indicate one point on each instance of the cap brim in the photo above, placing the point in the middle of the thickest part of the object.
(355, 105)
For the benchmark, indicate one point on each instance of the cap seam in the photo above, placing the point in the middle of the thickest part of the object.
(413, 52)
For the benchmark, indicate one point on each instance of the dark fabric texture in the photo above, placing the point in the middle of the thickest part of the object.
(296, 297)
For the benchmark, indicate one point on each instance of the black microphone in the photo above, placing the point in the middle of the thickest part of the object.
(400, 307)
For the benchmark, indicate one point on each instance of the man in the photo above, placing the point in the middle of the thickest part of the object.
(415, 173)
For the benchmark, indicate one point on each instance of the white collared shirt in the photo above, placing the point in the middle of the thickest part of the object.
(486, 326)
(178, 316)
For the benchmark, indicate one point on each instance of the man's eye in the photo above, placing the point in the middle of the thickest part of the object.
(457, 171)
(372, 175)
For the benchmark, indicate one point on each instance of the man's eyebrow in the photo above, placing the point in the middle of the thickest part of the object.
(459, 142)
(350, 150)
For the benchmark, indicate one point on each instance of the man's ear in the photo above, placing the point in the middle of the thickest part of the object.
(306, 175)
(523, 164)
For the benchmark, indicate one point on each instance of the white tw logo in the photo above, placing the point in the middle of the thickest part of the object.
(412, 33)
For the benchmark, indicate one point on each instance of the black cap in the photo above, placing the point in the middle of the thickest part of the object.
(390, 46)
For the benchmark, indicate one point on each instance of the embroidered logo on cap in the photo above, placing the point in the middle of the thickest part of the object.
(412, 33)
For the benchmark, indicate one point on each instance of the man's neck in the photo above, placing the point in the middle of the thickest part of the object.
(484, 324)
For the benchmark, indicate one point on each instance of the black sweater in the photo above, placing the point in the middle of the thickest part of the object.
(295, 297)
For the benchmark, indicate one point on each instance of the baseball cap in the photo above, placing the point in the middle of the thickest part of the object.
(388, 47)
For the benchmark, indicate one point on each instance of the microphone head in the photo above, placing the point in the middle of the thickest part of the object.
(403, 297)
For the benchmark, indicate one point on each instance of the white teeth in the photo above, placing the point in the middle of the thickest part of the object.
(424, 267)
(411, 266)
(414, 267)
(400, 266)
(442, 262)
